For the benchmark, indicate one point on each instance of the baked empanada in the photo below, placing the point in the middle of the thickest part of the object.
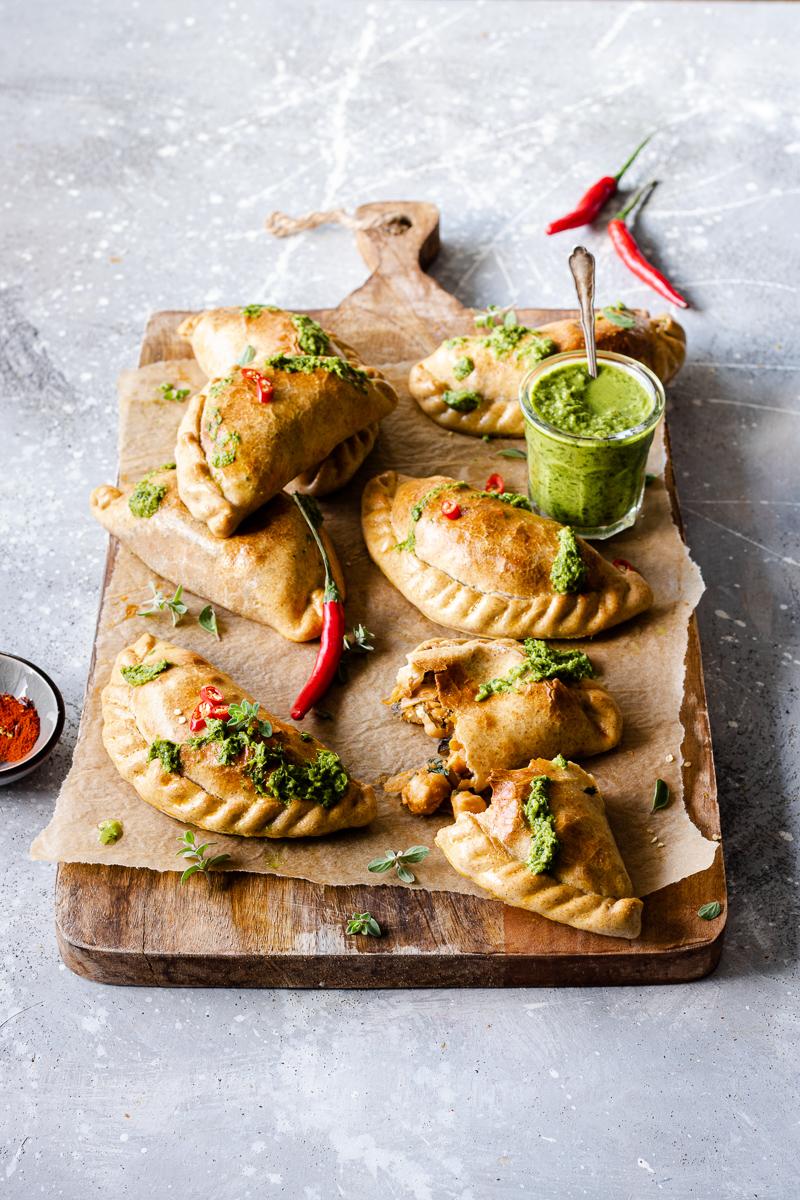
(246, 773)
(234, 452)
(500, 703)
(270, 570)
(472, 383)
(219, 336)
(584, 884)
(340, 465)
(489, 570)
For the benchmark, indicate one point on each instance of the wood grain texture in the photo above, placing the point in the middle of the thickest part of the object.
(131, 926)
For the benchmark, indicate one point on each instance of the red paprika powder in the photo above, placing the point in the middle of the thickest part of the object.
(19, 727)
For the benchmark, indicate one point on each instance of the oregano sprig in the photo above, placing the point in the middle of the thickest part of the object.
(160, 603)
(197, 857)
(245, 716)
(398, 860)
(363, 923)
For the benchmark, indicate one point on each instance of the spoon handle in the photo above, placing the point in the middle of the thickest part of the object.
(581, 264)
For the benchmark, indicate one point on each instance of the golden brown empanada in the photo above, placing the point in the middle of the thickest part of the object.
(340, 465)
(267, 782)
(488, 572)
(270, 570)
(586, 886)
(220, 335)
(489, 700)
(440, 688)
(235, 453)
(481, 374)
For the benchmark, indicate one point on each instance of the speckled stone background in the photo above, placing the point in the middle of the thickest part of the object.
(147, 141)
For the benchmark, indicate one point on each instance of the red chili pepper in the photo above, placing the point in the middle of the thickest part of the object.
(212, 694)
(592, 201)
(495, 483)
(622, 564)
(451, 510)
(331, 642)
(196, 722)
(208, 709)
(626, 247)
(264, 386)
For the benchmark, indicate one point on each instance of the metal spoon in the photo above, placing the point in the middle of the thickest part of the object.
(581, 264)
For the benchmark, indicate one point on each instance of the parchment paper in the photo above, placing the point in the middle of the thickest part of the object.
(642, 664)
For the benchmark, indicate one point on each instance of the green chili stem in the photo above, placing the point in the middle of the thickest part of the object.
(639, 200)
(630, 160)
(331, 590)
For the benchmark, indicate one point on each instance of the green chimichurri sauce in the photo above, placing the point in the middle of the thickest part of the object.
(569, 399)
(568, 572)
(539, 819)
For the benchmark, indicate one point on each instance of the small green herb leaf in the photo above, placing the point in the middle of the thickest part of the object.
(660, 795)
(197, 857)
(208, 620)
(619, 315)
(512, 452)
(415, 854)
(710, 911)
(170, 392)
(245, 716)
(159, 603)
(379, 865)
(363, 923)
(489, 318)
(398, 859)
(247, 356)
(359, 640)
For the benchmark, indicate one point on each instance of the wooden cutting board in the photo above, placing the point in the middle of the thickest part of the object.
(132, 926)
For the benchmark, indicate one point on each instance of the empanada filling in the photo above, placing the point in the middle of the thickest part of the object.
(425, 790)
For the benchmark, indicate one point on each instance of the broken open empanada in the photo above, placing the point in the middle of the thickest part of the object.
(245, 772)
(270, 570)
(499, 703)
(544, 844)
(472, 383)
(489, 570)
(220, 336)
(235, 452)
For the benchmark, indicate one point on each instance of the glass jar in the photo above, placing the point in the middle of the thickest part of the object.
(593, 483)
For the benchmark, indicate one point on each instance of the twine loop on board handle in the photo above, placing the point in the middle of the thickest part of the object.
(281, 225)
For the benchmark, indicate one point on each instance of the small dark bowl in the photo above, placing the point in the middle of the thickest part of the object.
(21, 678)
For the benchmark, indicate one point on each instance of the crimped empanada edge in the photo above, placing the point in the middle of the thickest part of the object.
(507, 879)
(445, 600)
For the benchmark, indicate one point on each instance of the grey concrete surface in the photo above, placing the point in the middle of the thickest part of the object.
(144, 144)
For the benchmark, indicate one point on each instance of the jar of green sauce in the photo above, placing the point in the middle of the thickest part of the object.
(588, 439)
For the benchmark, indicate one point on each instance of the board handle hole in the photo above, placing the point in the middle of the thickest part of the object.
(396, 226)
